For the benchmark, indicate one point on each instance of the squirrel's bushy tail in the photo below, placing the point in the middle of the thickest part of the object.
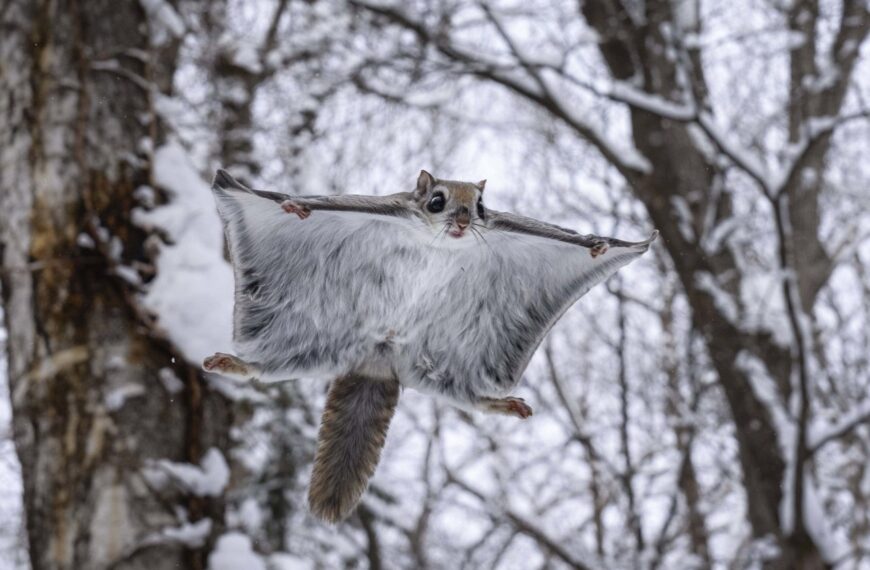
(352, 433)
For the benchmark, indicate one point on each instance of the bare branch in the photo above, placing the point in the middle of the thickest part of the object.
(585, 562)
(739, 156)
(272, 34)
(859, 416)
(817, 133)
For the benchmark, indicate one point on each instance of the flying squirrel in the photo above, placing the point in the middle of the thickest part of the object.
(428, 289)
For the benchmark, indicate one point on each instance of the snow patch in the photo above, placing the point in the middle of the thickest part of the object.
(165, 17)
(13, 550)
(242, 54)
(192, 294)
(128, 274)
(85, 241)
(170, 381)
(766, 391)
(193, 535)
(284, 561)
(715, 239)
(116, 397)
(146, 196)
(832, 544)
(210, 478)
(686, 14)
(684, 217)
(250, 515)
(726, 305)
(233, 551)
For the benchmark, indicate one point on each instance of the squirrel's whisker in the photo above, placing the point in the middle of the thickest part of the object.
(441, 231)
(476, 230)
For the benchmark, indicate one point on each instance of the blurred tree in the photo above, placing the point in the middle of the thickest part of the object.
(709, 410)
(688, 173)
(93, 422)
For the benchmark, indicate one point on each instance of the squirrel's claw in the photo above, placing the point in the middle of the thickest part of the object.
(292, 207)
(509, 406)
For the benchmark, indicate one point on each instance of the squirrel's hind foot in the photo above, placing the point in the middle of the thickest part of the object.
(229, 365)
(506, 406)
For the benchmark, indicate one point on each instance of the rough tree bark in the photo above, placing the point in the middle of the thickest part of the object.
(84, 364)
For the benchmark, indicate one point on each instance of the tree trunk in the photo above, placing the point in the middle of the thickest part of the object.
(89, 408)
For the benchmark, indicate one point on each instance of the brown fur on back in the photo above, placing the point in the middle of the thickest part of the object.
(352, 433)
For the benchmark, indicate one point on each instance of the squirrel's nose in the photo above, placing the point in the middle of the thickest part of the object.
(462, 219)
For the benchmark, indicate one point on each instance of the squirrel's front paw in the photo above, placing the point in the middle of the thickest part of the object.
(293, 207)
(599, 248)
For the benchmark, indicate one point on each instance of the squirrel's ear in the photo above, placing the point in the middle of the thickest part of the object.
(481, 185)
(425, 182)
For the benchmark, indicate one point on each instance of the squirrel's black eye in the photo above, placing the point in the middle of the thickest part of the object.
(436, 203)
(481, 213)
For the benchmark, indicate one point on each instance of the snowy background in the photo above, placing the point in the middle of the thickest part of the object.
(632, 458)
(12, 533)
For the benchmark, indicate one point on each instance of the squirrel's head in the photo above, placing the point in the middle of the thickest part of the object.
(457, 206)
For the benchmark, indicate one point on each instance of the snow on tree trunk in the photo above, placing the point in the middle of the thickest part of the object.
(94, 410)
